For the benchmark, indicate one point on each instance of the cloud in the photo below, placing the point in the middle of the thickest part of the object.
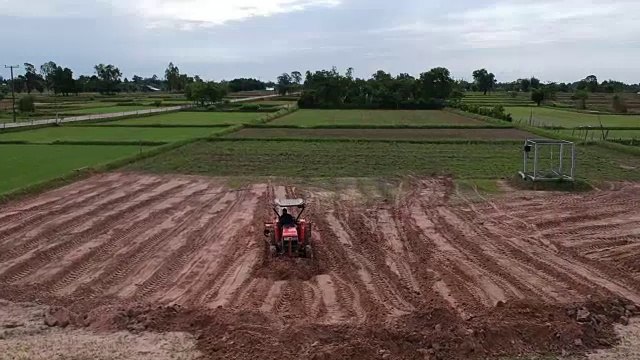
(191, 14)
(184, 14)
(518, 23)
(556, 40)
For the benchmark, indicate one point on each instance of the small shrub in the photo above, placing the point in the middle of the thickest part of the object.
(513, 94)
(497, 112)
(157, 103)
(27, 104)
(618, 104)
(92, 98)
(250, 107)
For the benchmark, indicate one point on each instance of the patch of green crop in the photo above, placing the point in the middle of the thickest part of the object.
(107, 110)
(372, 159)
(192, 118)
(567, 118)
(306, 117)
(24, 165)
(64, 133)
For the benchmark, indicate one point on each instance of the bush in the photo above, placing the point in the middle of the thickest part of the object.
(513, 94)
(537, 96)
(618, 104)
(497, 112)
(309, 100)
(250, 107)
(27, 103)
(157, 103)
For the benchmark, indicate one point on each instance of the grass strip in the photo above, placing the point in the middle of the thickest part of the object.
(346, 140)
(83, 173)
(382, 127)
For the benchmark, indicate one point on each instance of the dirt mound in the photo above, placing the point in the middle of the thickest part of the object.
(512, 328)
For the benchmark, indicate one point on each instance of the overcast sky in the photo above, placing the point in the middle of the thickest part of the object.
(555, 40)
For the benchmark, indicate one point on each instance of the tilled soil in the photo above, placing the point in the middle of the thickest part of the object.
(396, 275)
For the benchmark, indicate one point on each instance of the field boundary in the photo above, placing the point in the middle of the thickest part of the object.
(151, 125)
(348, 140)
(375, 127)
(83, 173)
(72, 124)
(626, 149)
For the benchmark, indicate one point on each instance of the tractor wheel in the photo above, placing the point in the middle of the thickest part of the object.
(273, 251)
(308, 252)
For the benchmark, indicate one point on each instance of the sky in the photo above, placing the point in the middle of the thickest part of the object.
(554, 40)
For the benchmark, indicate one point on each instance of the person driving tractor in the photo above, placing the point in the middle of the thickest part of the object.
(286, 219)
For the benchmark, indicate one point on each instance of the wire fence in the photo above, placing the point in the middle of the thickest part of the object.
(91, 117)
(9, 125)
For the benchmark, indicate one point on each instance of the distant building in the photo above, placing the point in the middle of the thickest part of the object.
(150, 88)
(274, 89)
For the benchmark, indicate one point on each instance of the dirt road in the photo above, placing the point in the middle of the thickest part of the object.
(399, 269)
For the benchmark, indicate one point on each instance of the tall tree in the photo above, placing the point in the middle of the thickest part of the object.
(46, 71)
(63, 82)
(205, 92)
(484, 80)
(284, 84)
(33, 81)
(172, 75)
(591, 82)
(581, 96)
(436, 84)
(535, 83)
(109, 76)
(537, 96)
(297, 77)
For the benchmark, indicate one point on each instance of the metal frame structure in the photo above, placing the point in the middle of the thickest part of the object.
(553, 172)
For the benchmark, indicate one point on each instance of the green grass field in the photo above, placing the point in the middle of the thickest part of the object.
(373, 117)
(64, 133)
(24, 165)
(108, 110)
(365, 159)
(192, 118)
(597, 134)
(548, 117)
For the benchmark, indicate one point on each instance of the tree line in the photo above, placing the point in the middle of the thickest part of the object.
(108, 79)
(431, 89)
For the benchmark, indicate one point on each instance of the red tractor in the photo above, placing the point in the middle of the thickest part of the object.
(293, 237)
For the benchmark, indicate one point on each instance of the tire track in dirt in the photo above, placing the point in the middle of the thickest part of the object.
(331, 252)
(327, 292)
(119, 238)
(29, 209)
(189, 242)
(312, 299)
(116, 210)
(238, 254)
(575, 268)
(491, 293)
(290, 304)
(367, 256)
(568, 283)
(524, 280)
(160, 258)
(114, 275)
(84, 217)
(273, 296)
(31, 224)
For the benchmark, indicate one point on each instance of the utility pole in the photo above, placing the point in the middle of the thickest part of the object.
(13, 88)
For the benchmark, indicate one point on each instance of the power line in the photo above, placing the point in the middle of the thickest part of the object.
(13, 88)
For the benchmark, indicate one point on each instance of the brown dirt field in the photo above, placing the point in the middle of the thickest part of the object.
(397, 274)
(407, 134)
